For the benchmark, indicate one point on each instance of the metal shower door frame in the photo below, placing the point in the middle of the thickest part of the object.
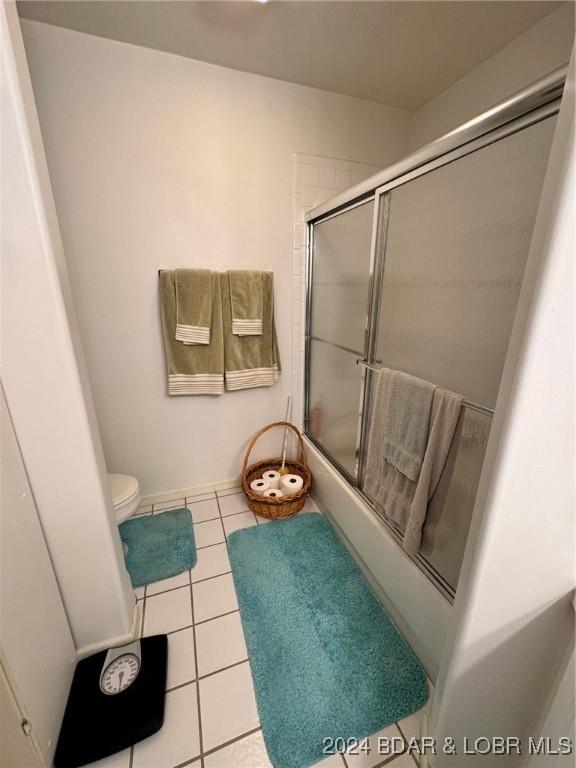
(538, 102)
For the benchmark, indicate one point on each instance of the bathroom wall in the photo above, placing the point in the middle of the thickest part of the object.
(505, 669)
(160, 161)
(44, 376)
(544, 47)
(30, 604)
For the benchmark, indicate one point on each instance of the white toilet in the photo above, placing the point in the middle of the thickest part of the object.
(125, 492)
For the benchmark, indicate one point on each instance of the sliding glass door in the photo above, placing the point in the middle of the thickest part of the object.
(338, 306)
(431, 290)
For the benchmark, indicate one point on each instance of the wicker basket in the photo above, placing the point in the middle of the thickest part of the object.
(288, 505)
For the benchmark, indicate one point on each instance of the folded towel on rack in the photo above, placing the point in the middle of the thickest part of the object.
(246, 301)
(406, 422)
(401, 500)
(250, 361)
(193, 305)
(196, 369)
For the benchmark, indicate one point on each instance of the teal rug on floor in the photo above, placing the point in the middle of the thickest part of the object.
(326, 659)
(158, 546)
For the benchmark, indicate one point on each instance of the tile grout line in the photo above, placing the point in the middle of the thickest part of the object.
(259, 728)
(219, 747)
(233, 514)
(211, 519)
(194, 759)
(228, 492)
(198, 623)
(165, 591)
(200, 738)
(190, 499)
(179, 498)
(216, 575)
(215, 494)
(406, 742)
(388, 760)
(226, 613)
(233, 741)
(208, 674)
(190, 761)
(183, 586)
(156, 508)
(224, 669)
(181, 685)
(206, 546)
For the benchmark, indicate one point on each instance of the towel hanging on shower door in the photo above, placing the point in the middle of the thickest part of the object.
(404, 501)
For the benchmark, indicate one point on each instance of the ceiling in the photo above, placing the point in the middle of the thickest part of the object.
(394, 52)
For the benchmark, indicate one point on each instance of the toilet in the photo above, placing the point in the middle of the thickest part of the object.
(125, 493)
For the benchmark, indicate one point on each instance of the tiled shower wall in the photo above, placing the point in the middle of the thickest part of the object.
(315, 179)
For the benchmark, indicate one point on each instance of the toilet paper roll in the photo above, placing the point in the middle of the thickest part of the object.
(273, 493)
(259, 486)
(291, 483)
(273, 478)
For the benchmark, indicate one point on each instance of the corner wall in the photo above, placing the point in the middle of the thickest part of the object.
(43, 374)
(544, 47)
(161, 161)
(513, 633)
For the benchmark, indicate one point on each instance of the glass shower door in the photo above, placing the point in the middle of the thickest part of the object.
(452, 260)
(340, 283)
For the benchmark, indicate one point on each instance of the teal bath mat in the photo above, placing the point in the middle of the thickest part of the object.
(158, 546)
(325, 657)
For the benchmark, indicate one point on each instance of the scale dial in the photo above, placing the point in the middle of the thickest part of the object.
(119, 674)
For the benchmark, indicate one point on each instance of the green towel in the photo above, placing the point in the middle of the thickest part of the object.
(250, 361)
(246, 302)
(193, 305)
(198, 369)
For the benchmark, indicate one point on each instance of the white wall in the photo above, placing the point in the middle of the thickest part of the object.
(544, 47)
(35, 639)
(44, 377)
(160, 161)
(513, 615)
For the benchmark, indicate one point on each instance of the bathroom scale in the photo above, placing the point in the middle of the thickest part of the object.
(116, 699)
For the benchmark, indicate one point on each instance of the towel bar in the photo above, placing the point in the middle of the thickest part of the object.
(465, 403)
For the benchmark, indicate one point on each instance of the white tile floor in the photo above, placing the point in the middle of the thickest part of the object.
(211, 720)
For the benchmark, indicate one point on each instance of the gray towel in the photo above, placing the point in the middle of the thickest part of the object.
(401, 500)
(193, 305)
(406, 422)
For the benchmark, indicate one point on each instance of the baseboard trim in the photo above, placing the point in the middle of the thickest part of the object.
(194, 490)
(113, 642)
